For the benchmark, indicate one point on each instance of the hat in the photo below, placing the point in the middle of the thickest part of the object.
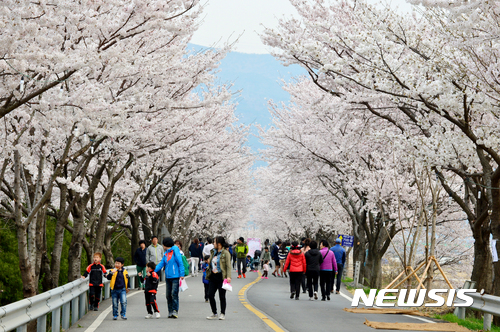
(120, 259)
(338, 241)
(168, 242)
(241, 239)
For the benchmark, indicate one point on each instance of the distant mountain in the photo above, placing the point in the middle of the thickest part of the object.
(258, 76)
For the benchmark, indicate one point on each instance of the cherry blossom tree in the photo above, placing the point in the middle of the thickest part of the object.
(409, 72)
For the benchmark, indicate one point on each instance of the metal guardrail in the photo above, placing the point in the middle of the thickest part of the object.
(67, 304)
(489, 304)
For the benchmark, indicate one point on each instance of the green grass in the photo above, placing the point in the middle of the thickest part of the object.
(347, 279)
(469, 322)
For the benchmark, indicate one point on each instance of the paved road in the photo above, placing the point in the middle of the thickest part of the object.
(270, 297)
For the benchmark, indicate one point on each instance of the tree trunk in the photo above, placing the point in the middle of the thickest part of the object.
(373, 268)
(75, 248)
(134, 222)
(110, 260)
(102, 223)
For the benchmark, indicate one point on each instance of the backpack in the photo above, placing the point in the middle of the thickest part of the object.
(186, 265)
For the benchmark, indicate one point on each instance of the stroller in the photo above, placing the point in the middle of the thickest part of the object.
(256, 261)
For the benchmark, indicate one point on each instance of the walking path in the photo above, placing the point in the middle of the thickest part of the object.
(253, 305)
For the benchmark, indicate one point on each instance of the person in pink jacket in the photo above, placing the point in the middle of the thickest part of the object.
(327, 268)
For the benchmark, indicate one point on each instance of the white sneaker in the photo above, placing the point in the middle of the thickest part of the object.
(315, 295)
(222, 317)
(148, 316)
(213, 316)
(157, 315)
(311, 299)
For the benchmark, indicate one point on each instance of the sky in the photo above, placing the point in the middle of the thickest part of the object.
(250, 67)
(230, 20)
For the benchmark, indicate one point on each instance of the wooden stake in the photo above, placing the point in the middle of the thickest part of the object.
(410, 275)
(442, 272)
(425, 273)
(394, 281)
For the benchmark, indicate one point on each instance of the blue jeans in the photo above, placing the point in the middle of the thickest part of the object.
(120, 294)
(172, 295)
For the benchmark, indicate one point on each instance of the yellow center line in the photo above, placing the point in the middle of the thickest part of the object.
(241, 295)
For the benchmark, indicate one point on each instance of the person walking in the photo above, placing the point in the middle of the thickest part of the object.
(283, 255)
(174, 272)
(326, 270)
(313, 262)
(298, 267)
(155, 251)
(305, 248)
(208, 247)
(119, 288)
(241, 255)
(340, 258)
(219, 269)
(234, 255)
(140, 260)
(275, 257)
(150, 280)
(196, 254)
(265, 256)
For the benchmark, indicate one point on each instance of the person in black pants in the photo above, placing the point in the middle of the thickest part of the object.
(313, 261)
(219, 269)
(150, 282)
(328, 267)
(95, 271)
(297, 262)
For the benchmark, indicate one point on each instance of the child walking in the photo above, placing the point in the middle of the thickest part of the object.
(119, 288)
(150, 282)
(204, 279)
(95, 271)
(265, 270)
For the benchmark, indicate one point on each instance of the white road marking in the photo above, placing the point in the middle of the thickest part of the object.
(411, 316)
(103, 315)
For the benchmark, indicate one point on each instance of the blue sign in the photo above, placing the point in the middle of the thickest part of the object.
(347, 240)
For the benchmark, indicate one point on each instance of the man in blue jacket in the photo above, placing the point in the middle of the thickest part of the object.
(174, 271)
(340, 258)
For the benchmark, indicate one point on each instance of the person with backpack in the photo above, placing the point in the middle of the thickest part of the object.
(185, 262)
(174, 272)
(241, 254)
(219, 270)
(326, 270)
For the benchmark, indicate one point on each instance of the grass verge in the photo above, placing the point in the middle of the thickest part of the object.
(471, 323)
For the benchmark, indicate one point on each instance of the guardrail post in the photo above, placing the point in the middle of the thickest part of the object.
(107, 291)
(41, 324)
(75, 312)
(83, 301)
(356, 274)
(23, 328)
(56, 320)
(460, 312)
(487, 322)
(132, 283)
(65, 316)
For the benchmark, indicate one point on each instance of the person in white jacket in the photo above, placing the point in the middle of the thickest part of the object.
(208, 247)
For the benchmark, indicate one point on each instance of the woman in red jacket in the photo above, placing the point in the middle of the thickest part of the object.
(297, 262)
